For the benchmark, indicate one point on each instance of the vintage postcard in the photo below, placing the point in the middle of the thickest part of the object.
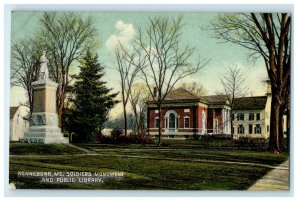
(150, 100)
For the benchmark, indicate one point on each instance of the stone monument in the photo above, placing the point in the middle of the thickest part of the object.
(44, 120)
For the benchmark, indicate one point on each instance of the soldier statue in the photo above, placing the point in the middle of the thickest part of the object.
(44, 72)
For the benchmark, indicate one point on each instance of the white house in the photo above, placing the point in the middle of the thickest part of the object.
(252, 117)
(19, 124)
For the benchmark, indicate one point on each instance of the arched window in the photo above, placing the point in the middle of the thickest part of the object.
(171, 121)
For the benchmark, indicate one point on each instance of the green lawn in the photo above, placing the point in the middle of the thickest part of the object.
(179, 165)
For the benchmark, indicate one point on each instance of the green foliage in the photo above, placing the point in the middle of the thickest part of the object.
(117, 137)
(116, 133)
(91, 100)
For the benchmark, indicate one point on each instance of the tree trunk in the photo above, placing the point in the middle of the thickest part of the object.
(136, 124)
(30, 100)
(274, 144)
(159, 128)
(61, 110)
(141, 122)
(231, 125)
(281, 126)
(125, 120)
(288, 128)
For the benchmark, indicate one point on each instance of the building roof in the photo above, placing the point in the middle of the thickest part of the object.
(214, 99)
(251, 103)
(245, 103)
(13, 111)
(181, 94)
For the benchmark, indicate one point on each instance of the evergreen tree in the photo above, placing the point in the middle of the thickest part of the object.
(91, 100)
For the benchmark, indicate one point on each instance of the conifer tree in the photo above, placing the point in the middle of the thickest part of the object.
(91, 100)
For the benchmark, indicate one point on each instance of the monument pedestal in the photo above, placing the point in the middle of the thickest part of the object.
(44, 120)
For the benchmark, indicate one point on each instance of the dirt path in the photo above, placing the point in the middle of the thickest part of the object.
(276, 179)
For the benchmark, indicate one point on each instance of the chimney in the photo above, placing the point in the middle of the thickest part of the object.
(269, 89)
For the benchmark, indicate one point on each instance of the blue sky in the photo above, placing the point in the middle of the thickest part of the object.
(114, 26)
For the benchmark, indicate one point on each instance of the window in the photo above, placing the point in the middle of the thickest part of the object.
(157, 122)
(186, 110)
(250, 128)
(240, 117)
(241, 129)
(156, 111)
(251, 116)
(172, 120)
(186, 122)
(257, 116)
(257, 129)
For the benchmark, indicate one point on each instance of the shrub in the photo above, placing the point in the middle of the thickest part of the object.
(252, 143)
(116, 133)
(117, 137)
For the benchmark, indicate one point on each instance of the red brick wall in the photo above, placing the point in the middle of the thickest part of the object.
(180, 112)
(210, 117)
(197, 115)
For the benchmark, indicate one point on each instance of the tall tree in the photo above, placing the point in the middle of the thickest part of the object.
(65, 37)
(165, 61)
(234, 87)
(266, 36)
(91, 99)
(25, 66)
(139, 94)
(128, 74)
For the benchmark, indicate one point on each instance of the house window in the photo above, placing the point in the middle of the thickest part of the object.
(241, 129)
(250, 128)
(257, 129)
(157, 122)
(240, 117)
(172, 120)
(257, 116)
(186, 110)
(186, 122)
(251, 116)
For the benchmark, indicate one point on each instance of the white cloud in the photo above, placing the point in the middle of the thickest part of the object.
(125, 34)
